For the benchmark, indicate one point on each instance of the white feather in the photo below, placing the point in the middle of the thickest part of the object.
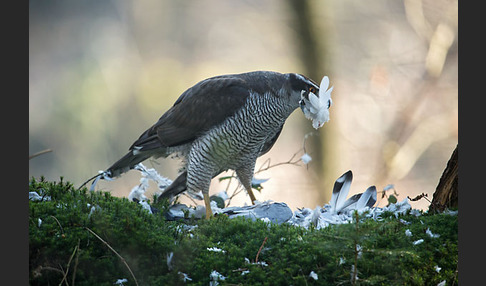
(340, 191)
(368, 198)
(316, 108)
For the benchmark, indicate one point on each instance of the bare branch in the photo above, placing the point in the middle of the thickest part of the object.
(114, 251)
(259, 250)
(39, 153)
(68, 264)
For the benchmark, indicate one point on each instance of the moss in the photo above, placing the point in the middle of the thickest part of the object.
(382, 252)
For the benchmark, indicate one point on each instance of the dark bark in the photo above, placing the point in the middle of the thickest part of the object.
(446, 193)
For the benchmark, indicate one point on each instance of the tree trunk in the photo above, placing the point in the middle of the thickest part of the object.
(313, 56)
(446, 193)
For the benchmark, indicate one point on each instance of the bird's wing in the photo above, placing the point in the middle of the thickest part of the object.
(198, 109)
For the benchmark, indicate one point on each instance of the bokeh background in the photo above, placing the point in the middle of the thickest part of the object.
(102, 72)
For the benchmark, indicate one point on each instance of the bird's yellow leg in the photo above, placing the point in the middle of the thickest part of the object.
(252, 196)
(245, 180)
(207, 203)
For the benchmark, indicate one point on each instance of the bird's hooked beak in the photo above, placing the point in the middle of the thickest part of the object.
(304, 96)
(302, 102)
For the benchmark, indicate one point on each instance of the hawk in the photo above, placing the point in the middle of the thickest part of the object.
(225, 122)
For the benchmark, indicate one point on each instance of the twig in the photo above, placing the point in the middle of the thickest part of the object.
(50, 268)
(419, 197)
(259, 250)
(75, 264)
(303, 276)
(239, 270)
(266, 165)
(64, 274)
(229, 181)
(238, 189)
(188, 196)
(68, 264)
(62, 230)
(88, 180)
(269, 165)
(386, 189)
(114, 251)
(455, 275)
(39, 153)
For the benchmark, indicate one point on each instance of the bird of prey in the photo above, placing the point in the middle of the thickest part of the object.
(225, 122)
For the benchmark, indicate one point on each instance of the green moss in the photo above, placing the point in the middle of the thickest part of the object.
(386, 256)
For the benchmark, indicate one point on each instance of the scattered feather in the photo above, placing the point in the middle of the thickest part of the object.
(354, 274)
(185, 277)
(121, 281)
(417, 242)
(350, 204)
(437, 268)
(199, 212)
(215, 249)
(101, 175)
(152, 174)
(261, 263)
(214, 277)
(306, 158)
(359, 250)
(367, 199)
(223, 195)
(169, 256)
(389, 187)
(449, 212)
(415, 212)
(398, 208)
(342, 261)
(146, 206)
(316, 215)
(93, 209)
(34, 196)
(430, 234)
(339, 210)
(266, 220)
(138, 192)
(257, 183)
(404, 222)
(340, 191)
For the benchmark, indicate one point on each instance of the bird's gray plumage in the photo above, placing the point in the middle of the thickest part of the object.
(224, 122)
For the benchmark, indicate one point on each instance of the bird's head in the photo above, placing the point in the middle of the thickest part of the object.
(314, 100)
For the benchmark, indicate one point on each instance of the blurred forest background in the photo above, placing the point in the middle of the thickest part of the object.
(102, 72)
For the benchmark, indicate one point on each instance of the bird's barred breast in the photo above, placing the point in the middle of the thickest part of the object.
(240, 138)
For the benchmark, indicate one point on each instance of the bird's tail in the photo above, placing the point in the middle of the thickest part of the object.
(127, 163)
(178, 186)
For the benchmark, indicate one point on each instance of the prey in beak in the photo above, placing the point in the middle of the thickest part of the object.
(315, 106)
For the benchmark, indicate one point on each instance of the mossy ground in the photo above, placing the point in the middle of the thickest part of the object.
(62, 246)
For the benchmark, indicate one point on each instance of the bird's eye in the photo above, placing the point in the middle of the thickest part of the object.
(312, 89)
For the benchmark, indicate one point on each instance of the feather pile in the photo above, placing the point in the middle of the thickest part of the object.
(339, 210)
